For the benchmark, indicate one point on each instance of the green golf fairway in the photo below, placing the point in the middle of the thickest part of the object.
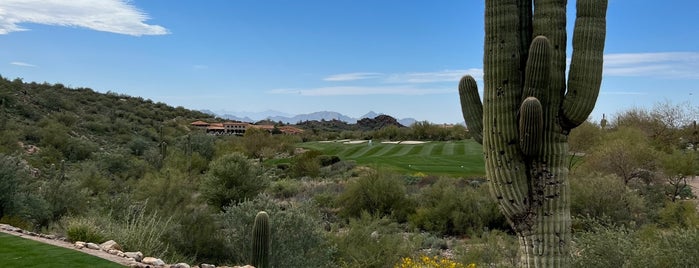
(451, 158)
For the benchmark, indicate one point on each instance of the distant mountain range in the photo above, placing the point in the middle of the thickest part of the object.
(293, 119)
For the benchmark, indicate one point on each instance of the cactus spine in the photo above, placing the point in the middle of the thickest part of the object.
(261, 240)
(528, 110)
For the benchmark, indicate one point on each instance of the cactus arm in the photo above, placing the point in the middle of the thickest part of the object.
(531, 123)
(471, 107)
(586, 64)
(550, 20)
(261, 240)
(538, 70)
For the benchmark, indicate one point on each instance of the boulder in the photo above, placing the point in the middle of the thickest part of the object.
(106, 246)
(92, 246)
(180, 265)
(79, 244)
(153, 261)
(204, 265)
(138, 256)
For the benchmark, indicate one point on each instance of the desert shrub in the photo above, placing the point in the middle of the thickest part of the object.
(666, 248)
(490, 249)
(378, 193)
(605, 197)
(16, 221)
(142, 231)
(297, 240)
(233, 178)
(372, 241)
(327, 160)
(602, 246)
(679, 214)
(285, 188)
(306, 164)
(448, 208)
(84, 228)
(197, 234)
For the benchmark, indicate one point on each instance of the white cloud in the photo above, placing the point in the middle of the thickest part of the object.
(352, 76)
(115, 16)
(22, 64)
(433, 77)
(675, 65)
(359, 90)
(621, 93)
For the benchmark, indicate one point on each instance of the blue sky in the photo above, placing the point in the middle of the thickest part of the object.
(398, 57)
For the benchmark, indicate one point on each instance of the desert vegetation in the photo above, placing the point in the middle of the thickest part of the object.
(93, 166)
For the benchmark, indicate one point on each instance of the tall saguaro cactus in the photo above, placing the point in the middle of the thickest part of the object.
(261, 240)
(528, 110)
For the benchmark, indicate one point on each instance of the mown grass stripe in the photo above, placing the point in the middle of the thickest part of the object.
(457, 159)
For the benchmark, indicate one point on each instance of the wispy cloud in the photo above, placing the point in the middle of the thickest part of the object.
(359, 90)
(622, 93)
(677, 65)
(115, 16)
(433, 77)
(22, 64)
(352, 76)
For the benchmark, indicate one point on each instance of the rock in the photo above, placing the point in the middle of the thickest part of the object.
(375, 235)
(52, 237)
(129, 259)
(138, 256)
(180, 265)
(106, 246)
(204, 265)
(79, 245)
(115, 252)
(92, 246)
(153, 261)
(120, 254)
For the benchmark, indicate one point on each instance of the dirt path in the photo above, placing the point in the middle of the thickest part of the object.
(64, 244)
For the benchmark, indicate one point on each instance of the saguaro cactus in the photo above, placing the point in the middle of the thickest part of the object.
(261, 240)
(528, 110)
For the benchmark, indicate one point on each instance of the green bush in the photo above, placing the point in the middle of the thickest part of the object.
(452, 208)
(372, 241)
(603, 247)
(378, 193)
(233, 178)
(197, 235)
(490, 249)
(306, 164)
(85, 229)
(606, 197)
(285, 188)
(679, 214)
(297, 239)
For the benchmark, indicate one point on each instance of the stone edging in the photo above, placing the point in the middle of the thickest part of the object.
(109, 250)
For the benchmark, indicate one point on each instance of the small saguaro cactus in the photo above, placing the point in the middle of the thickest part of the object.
(261, 240)
(528, 110)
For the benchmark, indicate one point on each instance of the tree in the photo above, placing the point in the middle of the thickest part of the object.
(528, 110)
(625, 152)
(233, 178)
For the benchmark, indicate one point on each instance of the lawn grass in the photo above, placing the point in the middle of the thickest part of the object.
(19, 252)
(450, 158)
